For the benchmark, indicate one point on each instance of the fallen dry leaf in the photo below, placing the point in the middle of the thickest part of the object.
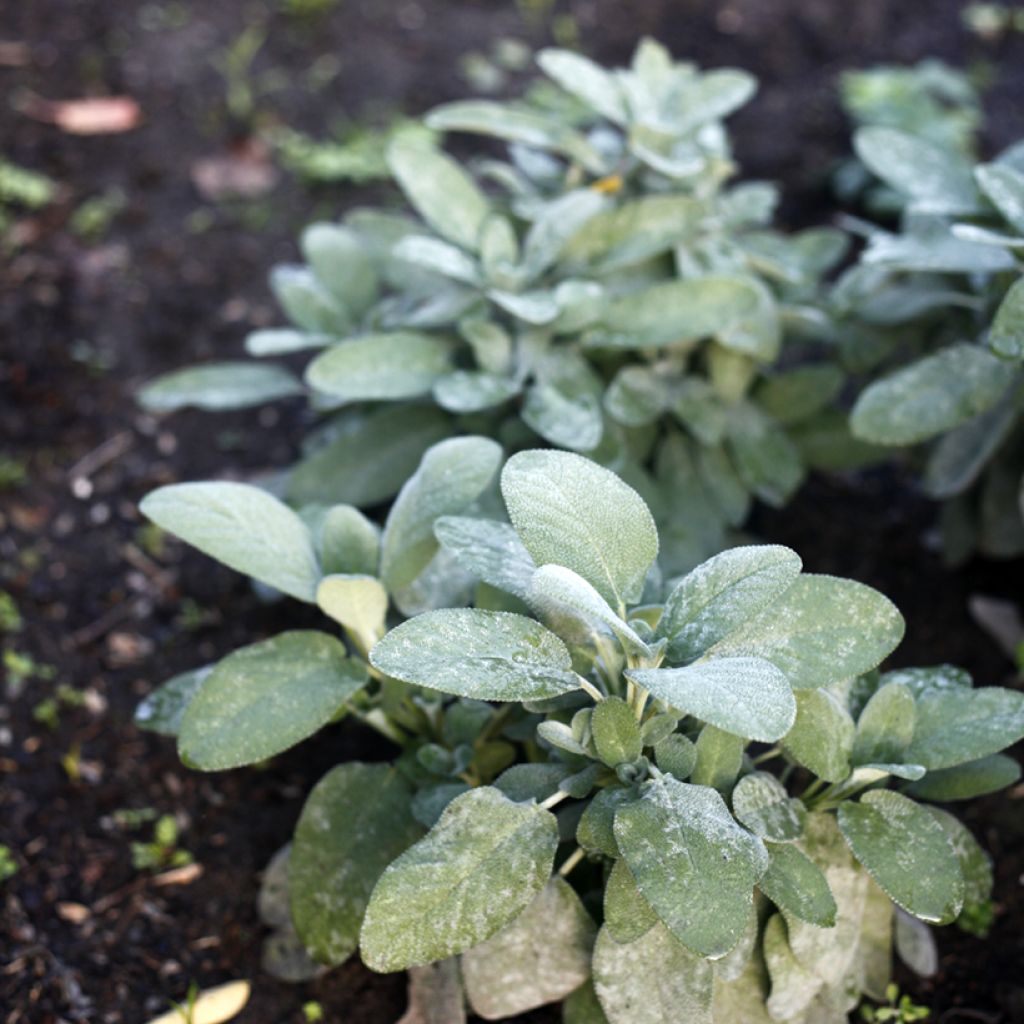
(244, 172)
(179, 876)
(76, 913)
(213, 1006)
(93, 115)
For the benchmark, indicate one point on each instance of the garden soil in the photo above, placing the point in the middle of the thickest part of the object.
(89, 311)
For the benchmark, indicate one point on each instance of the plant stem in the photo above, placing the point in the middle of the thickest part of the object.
(555, 798)
(590, 688)
(767, 755)
(571, 861)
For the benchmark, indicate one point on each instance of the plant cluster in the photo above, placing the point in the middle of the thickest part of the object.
(636, 769)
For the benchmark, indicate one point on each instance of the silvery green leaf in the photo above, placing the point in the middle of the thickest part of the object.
(637, 396)
(885, 726)
(934, 179)
(569, 511)
(580, 304)
(907, 852)
(676, 755)
(359, 603)
(283, 341)
(761, 803)
(975, 863)
(537, 308)
(559, 220)
(451, 476)
(692, 863)
(349, 542)
(931, 396)
(916, 944)
(284, 957)
(369, 456)
(935, 249)
(711, 96)
(822, 736)
(542, 956)
(719, 758)
(793, 986)
(435, 994)
(217, 387)
(984, 236)
(874, 954)
(438, 257)
(821, 630)
(475, 872)
(559, 735)
(935, 677)
(515, 124)
(700, 410)
(242, 526)
(272, 899)
(795, 395)
(473, 653)
(595, 832)
(491, 551)
(428, 804)
(441, 192)
(717, 597)
(1006, 336)
(674, 312)
(533, 781)
(742, 998)
(1004, 186)
(556, 591)
(961, 456)
(265, 698)
(651, 980)
(956, 726)
(355, 821)
(582, 1007)
(616, 732)
(306, 302)
(795, 884)
(490, 342)
(465, 391)
(401, 364)
(573, 423)
(499, 253)
(745, 696)
(162, 710)
(627, 915)
(586, 80)
(342, 264)
(767, 461)
(722, 482)
(961, 782)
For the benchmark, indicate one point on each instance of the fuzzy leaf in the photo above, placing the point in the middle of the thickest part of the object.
(694, 865)
(470, 391)
(356, 820)
(616, 732)
(242, 526)
(963, 781)
(1006, 336)
(217, 387)
(359, 603)
(163, 709)
(761, 803)
(719, 758)
(573, 423)
(569, 511)
(349, 542)
(821, 630)
(265, 698)
(822, 736)
(586, 80)
(627, 915)
(886, 726)
(1004, 185)
(480, 654)
(342, 264)
(916, 944)
(907, 852)
(747, 697)
(795, 884)
(542, 956)
(491, 551)
(475, 872)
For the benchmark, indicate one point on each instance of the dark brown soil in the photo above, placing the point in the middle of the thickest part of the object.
(84, 936)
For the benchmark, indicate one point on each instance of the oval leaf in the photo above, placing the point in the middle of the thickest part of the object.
(218, 387)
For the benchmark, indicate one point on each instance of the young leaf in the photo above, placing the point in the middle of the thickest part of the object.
(719, 596)
(747, 697)
(480, 654)
(956, 726)
(359, 603)
(355, 822)
(369, 455)
(930, 396)
(795, 884)
(627, 915)
(242, 526)
(821, 630)
(542, 956)
(401, 364)
(616, 732)
(595, 832)
(532, 781)
(569, 511)
(573, 423)
(442, 193)
(340, 260)
(559, 220)
(761, 803)
(719, 758)
(475, 872)
(349, 542)
(491, 551)
(651, 980)
(676, 755)
(963, 781)
(265, 698)
(822, 736)
(586, 80)
(886, 725)
(907, 852)
(694, 865)
(218, 387)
